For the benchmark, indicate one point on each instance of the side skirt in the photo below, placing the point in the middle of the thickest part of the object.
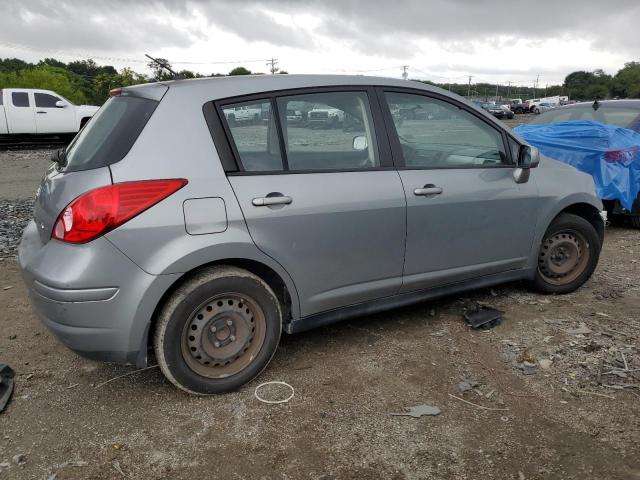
(401, 300)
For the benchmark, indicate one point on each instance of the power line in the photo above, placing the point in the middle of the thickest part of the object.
(272, 62)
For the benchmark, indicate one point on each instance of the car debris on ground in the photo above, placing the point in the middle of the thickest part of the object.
(419, 411)
(6, 385)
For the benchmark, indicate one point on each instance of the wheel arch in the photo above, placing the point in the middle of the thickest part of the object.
(582, 204)
(288, 299)
(589, 212)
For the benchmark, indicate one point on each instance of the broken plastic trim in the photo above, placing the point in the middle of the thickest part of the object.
(483, 317)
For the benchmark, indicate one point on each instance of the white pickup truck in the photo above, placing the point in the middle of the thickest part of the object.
(27, 111)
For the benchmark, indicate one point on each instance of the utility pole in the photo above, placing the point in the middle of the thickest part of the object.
(535, 85)
(469, 89)
(405, 73)
(496, 91)
(273, 62)
(509, 89)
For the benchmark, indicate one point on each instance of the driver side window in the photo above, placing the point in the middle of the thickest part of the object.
(437, 134)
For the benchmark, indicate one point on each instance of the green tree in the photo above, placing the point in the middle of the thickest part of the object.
(13, 64)
(626, 83)
(57, 79)
(240, 71)
(160, 72)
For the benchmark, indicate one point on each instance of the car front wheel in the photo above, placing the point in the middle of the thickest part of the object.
(568, 255)
(218, 331)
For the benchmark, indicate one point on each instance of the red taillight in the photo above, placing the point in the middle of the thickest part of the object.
(103, 209)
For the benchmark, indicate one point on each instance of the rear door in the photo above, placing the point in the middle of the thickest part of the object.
(328, 206)
(52, 119)
(20, 113)
(466, 216)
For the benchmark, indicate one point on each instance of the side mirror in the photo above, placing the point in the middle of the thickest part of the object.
(528, 157)
(60, 104)
(360, 143)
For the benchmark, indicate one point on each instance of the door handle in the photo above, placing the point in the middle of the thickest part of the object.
(268, 201)
(42, 112)
(428, 190)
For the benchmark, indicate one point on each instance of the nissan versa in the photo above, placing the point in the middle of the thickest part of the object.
(166, 227)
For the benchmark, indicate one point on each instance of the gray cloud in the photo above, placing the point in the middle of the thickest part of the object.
(378, 28)
(87, 26)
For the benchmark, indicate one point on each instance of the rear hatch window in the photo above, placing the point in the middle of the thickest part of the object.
(110, 134)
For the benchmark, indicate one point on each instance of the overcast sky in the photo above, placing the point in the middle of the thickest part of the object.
(440, 40)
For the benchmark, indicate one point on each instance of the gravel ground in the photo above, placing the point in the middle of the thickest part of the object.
(14, 216)
(550, 393)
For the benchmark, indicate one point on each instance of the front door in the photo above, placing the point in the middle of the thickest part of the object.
(324, 200)
(53, 119)
(466, 216)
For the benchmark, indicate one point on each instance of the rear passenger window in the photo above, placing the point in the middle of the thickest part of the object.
(20, 99)
(437, 134)
(255, 135)
(328, 131)
(44, 100)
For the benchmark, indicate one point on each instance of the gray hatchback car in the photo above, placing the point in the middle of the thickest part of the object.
(166, 227)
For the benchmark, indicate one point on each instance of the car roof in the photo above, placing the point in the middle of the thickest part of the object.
(231, 86)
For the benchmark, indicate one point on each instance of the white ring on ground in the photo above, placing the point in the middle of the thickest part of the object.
(255, 393)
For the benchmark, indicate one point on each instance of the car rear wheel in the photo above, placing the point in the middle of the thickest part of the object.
(568, 255)
(218, 331)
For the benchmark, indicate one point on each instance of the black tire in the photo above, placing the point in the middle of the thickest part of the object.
(634, 220)
(226, 292)
(573, 240)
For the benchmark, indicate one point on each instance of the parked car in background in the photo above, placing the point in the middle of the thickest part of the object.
(621, 113)
(544, 107)
(324, 116)
(507, 111)
(26, 111)
(244, 114)
(493, 109)
(519, 107)
(164, 226)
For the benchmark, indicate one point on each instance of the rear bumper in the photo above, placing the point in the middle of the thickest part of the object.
(92, 297)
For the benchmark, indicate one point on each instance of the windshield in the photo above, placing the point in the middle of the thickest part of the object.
(621, 117)
(110, 134)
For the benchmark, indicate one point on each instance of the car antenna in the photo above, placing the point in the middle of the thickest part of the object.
(175, 76)
(595, 105)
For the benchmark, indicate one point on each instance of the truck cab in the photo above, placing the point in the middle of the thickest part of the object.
(26, 111)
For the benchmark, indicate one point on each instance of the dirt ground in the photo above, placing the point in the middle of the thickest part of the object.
(550, 393)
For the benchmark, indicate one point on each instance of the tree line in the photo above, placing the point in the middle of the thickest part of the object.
(86, 82)
(580, 85)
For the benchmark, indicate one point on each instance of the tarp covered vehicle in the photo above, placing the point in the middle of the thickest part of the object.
(602, 139)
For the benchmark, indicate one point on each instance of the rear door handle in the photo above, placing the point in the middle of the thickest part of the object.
(268, 201)
(42, 112)
(427, 190)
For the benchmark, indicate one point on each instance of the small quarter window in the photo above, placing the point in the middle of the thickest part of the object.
(255, 135)
(20, 99)
(437, 134)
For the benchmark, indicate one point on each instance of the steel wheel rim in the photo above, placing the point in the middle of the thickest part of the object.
(563, 257)
(223, 335)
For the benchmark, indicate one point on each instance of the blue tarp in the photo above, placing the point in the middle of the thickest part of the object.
(610, 154)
